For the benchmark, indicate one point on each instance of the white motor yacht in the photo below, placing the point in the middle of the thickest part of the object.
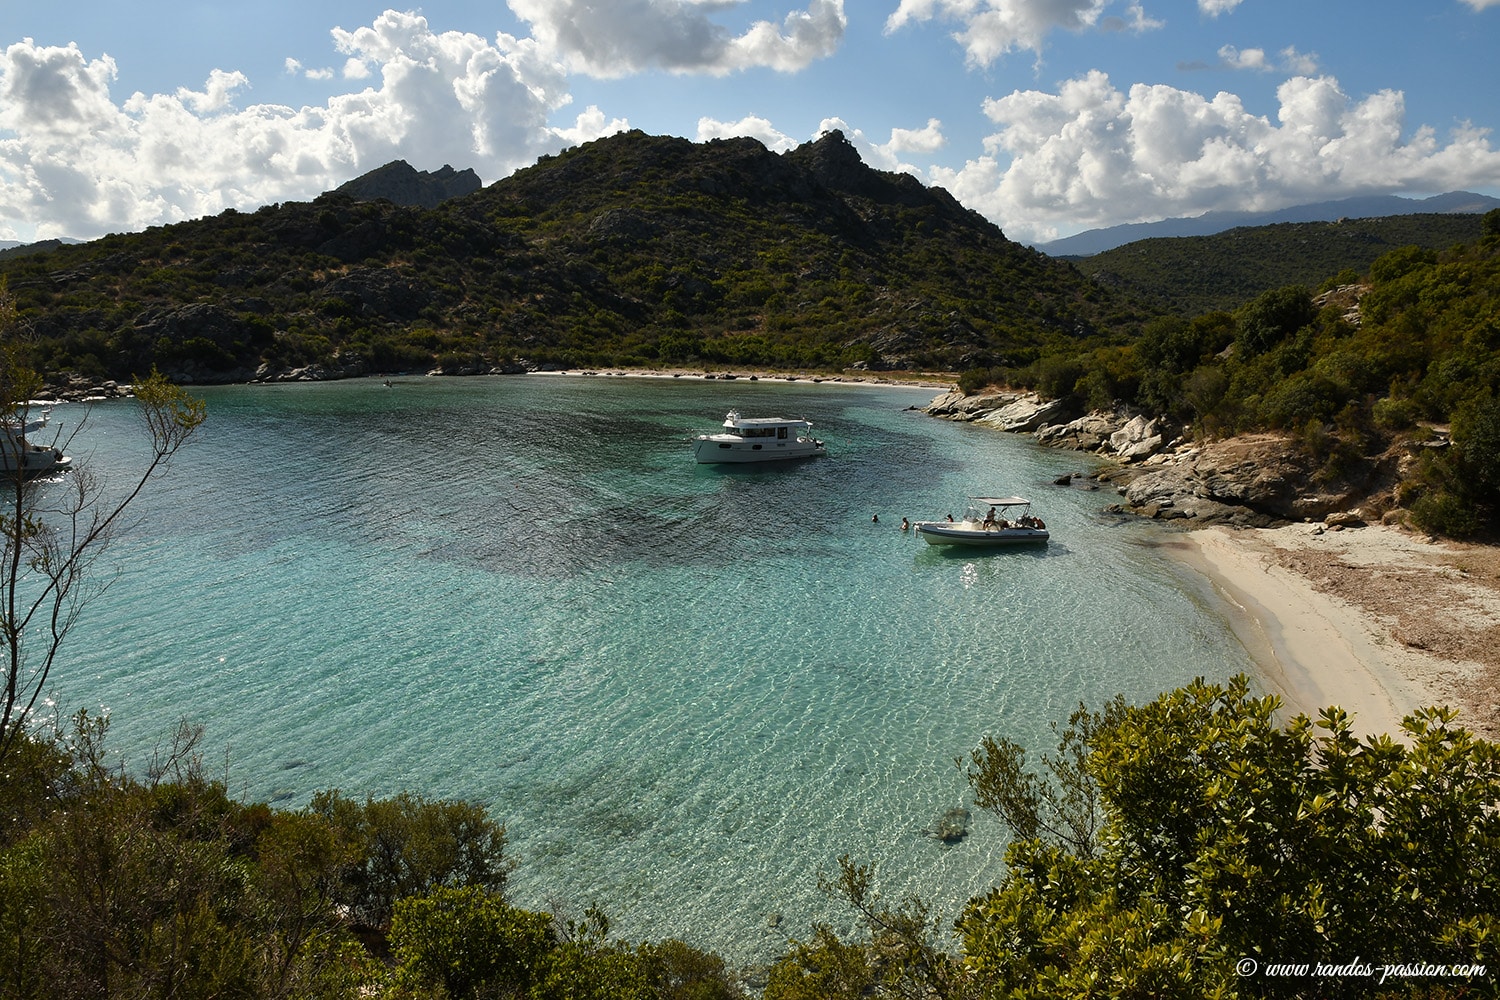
(20, 457)
(757, 439)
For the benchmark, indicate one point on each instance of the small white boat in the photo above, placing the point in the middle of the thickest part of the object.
(20, 457)
(1008, 521)
(757, 439)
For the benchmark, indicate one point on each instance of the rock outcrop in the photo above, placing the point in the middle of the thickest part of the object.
(1123, 435)
(1256, 480)
(373, 292)
(402, 184)
(72, 387)
(1089, 432)
(1025, 414)
(1252, 480)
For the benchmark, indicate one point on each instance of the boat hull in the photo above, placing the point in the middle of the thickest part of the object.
(974, 535)
(32, 462)
(716, 449)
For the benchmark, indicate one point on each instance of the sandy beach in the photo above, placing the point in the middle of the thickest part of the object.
(1375, 619)
(918, 380)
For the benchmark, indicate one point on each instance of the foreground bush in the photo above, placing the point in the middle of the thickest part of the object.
(1175, 849)
(160, 885)
(1181, 848)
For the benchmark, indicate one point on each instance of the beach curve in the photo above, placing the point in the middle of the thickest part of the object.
(1376, 620)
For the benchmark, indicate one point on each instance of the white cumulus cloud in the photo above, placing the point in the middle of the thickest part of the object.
(989, 29)
(680, 36)
(928, 139)
(1213, 8)
(53, 91)
(591, 125)
(925, 141)
(1096, 156)
(1299, 63)
(295, 68)
(216, 95)
(752, 126)
(1244, 58)
(76, 161)
(1482, 4)
(1292, 62)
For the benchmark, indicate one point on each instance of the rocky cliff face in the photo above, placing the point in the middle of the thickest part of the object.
(402, 184)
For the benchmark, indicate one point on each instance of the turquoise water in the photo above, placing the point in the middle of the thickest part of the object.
(686, 690)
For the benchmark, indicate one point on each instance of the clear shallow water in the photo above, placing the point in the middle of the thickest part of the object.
(686, 690)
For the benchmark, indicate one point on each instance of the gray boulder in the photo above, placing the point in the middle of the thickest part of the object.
(955, 405)
(1257, 479)
(1090, 432)
(1139, 438)
(1025, 414)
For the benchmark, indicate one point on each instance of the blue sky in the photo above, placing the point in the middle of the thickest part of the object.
(1047, 116)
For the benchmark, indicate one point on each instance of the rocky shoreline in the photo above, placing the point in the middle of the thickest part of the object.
(1381, 621)
(1253, 480)
(72, 388)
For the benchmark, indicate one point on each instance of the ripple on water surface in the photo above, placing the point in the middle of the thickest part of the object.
(686, 690)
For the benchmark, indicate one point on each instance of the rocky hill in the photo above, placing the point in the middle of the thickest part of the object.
(402, 184)
(631, 250)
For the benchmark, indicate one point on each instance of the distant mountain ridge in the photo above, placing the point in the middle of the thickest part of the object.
(10, 248)
(1210, 223)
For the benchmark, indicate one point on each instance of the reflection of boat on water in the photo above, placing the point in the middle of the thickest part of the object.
(757, 439)
(21, 457)
(1008, 521)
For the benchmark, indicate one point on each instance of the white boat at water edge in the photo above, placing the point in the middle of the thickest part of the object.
(1008, 521)
(757, 439)
(23, 458)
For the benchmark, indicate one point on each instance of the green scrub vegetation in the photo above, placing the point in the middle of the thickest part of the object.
(1411, 377)
(1189, 847)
